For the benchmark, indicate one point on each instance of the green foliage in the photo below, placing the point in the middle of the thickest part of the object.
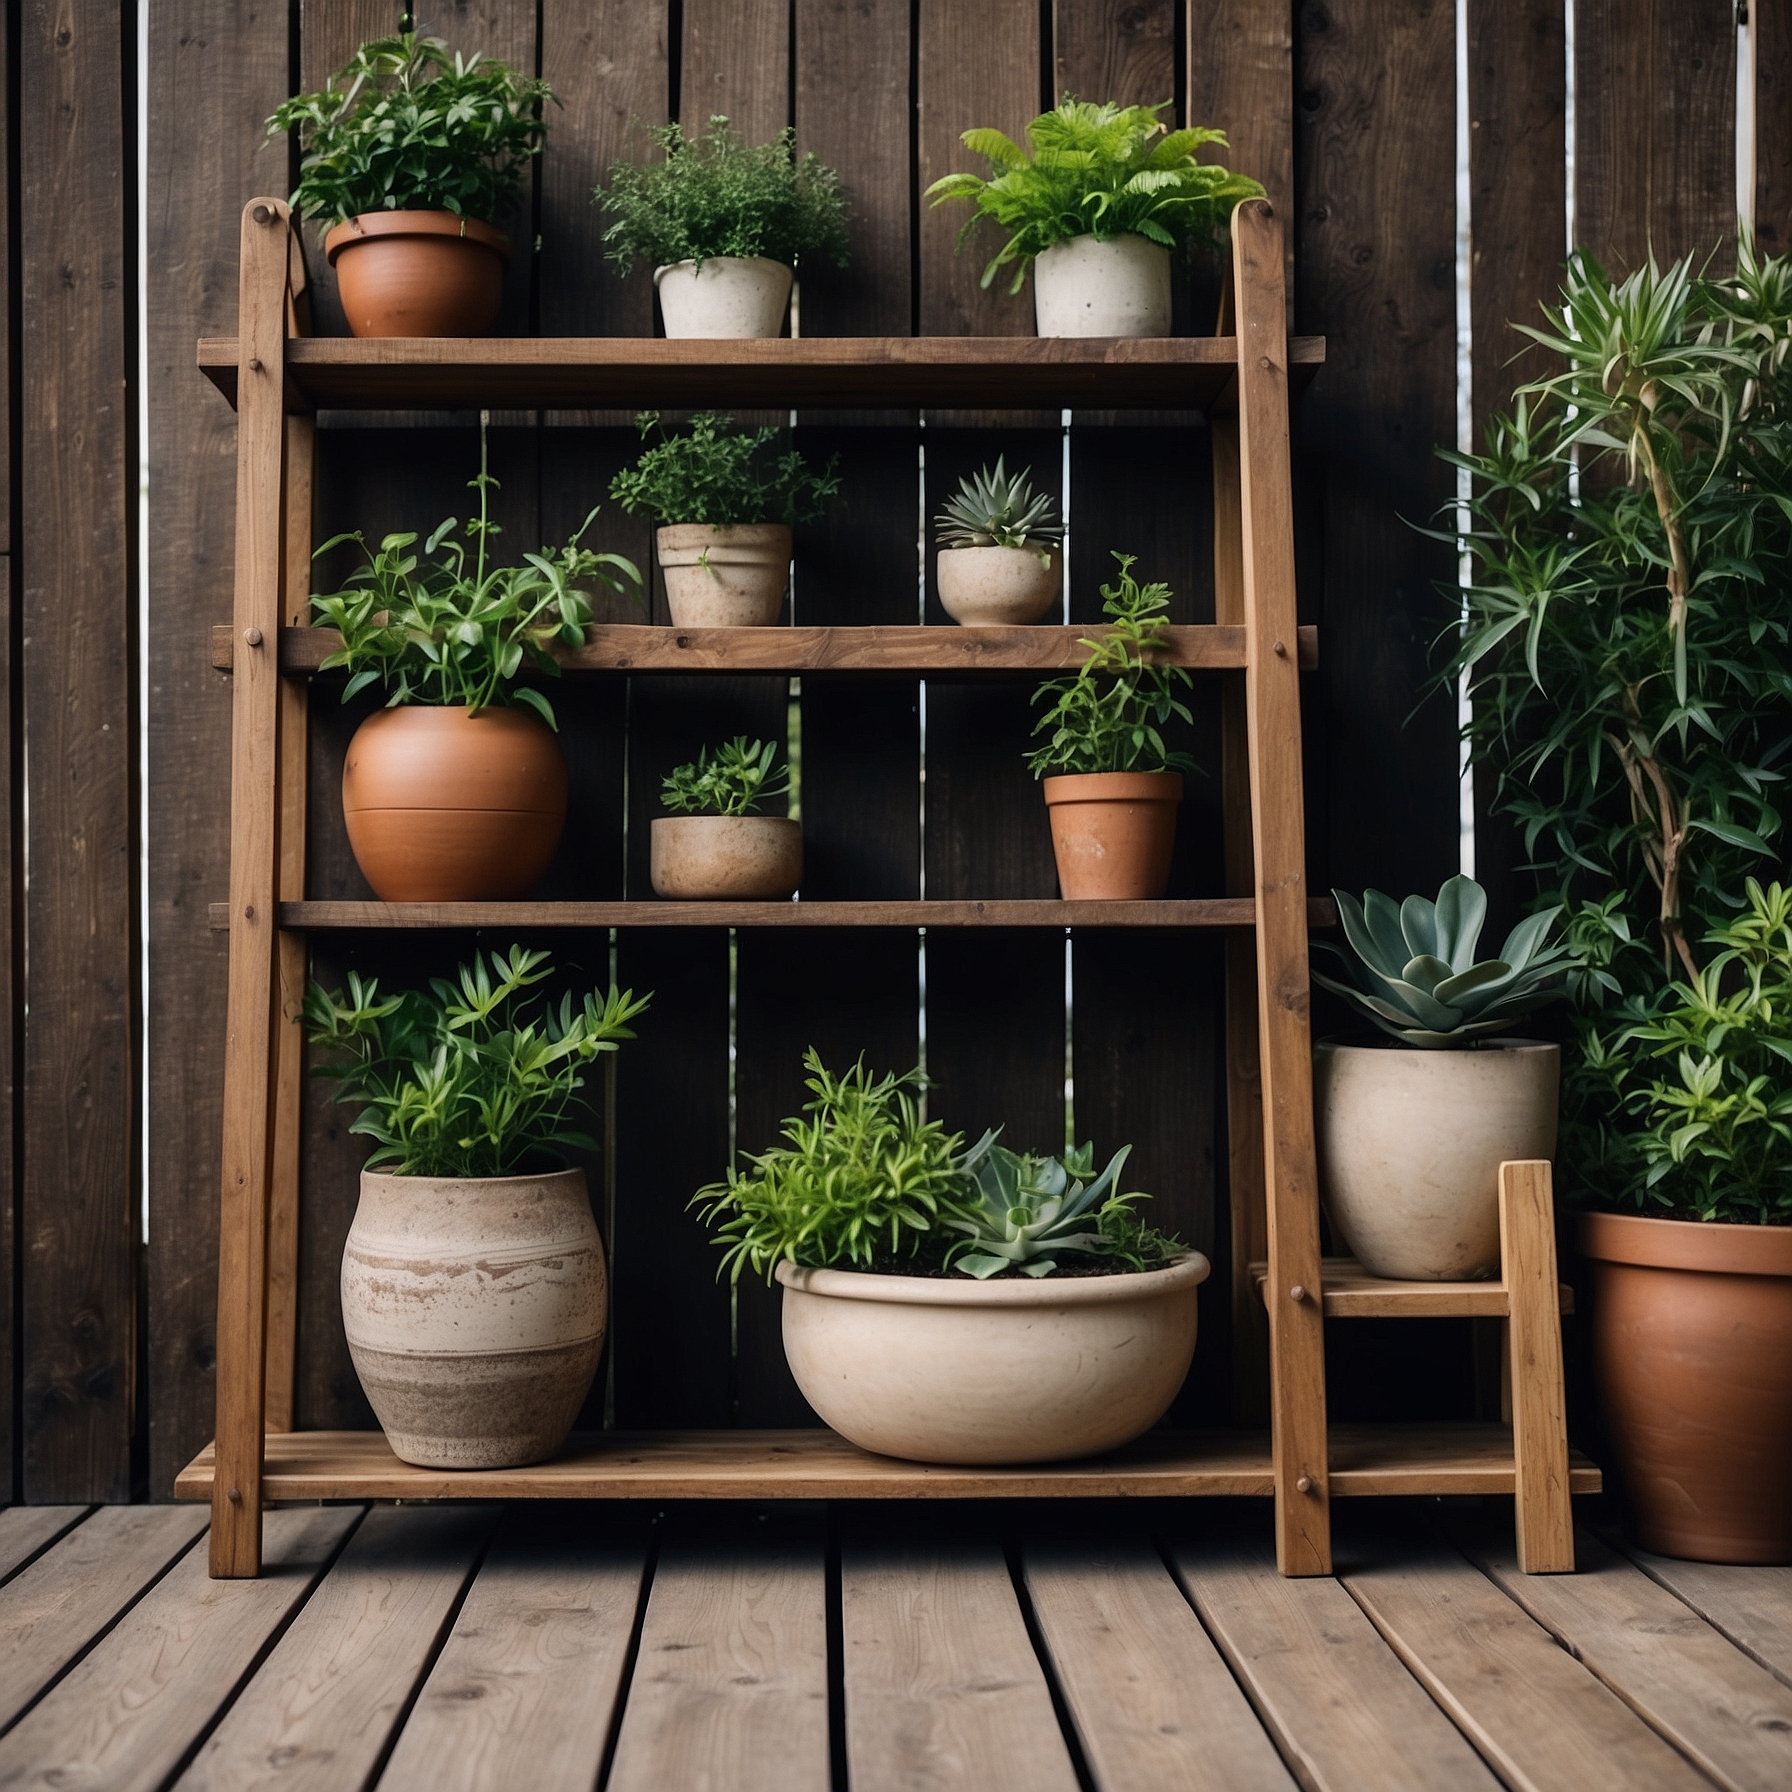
(405, 126)
(1109, 716)
(712, 195)
(732, 782)
(711, 472)
(990, 510)
(1101, 171)
(473, 1077)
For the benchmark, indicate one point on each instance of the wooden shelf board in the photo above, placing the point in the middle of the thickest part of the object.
(1352, 1293)
(1367, 1460)
(580, 372)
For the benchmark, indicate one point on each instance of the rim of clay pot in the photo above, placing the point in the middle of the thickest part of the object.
(1497, 1042)
(1714, 1246)
(742, 261)
(683, 535)
(493, 1183)
(1187, 1271)
(517, 712)
(1113, 787)
(419, 223)
(777, 821)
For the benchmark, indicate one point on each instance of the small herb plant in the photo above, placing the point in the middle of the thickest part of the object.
(710, 472)
(407, 126)
(734, 781)
(712, 195)
(990, 510)
(1094, 170)
(471, 1077)
(1109, 716)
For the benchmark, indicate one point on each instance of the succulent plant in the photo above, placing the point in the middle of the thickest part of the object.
(731, 781)
(990, 510)
(1414, 973)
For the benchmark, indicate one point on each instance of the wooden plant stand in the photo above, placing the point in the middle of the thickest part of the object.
(278, 377)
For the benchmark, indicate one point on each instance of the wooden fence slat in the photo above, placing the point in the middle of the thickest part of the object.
(1770, 28)
(9, 820)
(1118, 50)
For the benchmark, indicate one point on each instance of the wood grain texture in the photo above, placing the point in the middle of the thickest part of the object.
(10, 863)
(1770, 28)
(1350, 1292)
(26, 1531)
(1751, 1606)
(734, 60)
(1121, 51)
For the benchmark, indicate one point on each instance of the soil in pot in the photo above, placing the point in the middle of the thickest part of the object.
(726, 296)
(700, 858)
(418, 273)
(1113, 833)
(1692, 1351)
(999, 587)
(443, 806)
(724, 577)
(1085, 287)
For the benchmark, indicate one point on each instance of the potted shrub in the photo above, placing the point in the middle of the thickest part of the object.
(998, 560)
(1412, 1131)
(714, 844)
(725, 505)
(473, 1287)
(725, 227)
(1111, 785)
(413, 155)
(456, 791)
(1095, 209)
(953, 1305)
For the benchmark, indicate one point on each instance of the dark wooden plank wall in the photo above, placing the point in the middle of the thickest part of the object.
(9, 878)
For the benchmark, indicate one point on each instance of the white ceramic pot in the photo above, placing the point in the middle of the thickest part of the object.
(475, 1313)
(950, 1369)
(1085, 287)
(724, 577)
(993, 587)
(725, 296)
(700, 858)
(1410, 1147)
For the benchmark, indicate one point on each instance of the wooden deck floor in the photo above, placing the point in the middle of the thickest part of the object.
(807, 1648)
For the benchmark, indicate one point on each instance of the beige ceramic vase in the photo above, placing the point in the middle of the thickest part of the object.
(702, 858)
(724, 577)
(724, 297)
(999, 587)
(1120, 287)
(475, 1313)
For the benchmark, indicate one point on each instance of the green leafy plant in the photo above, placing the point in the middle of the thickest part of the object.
(732, 781)
(990, 510)
(471, 1077)
(407, 126)
(710, 472)
(1094, 170)
(1110, 715)
(713, 195)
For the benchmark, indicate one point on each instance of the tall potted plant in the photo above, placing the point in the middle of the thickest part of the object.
(715, 844)
(998, 561)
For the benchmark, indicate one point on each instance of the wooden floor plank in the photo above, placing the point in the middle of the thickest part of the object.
(525, 1689)
(126, 1716)
(26, 1530)
(57, 1606)
(943, 1689)
(730, 1689)
(320, 1711)
(1153, 1701)
(1751, 1606)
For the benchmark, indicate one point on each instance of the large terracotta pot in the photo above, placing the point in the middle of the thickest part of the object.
(1692, 1349)
(727, 296)
(442, 806)
(724, 576)
(1113, 833)
(1120, 287)
(949, 1369)
(998, 587)
(418, 273)
(698, 858)
(475, 1313)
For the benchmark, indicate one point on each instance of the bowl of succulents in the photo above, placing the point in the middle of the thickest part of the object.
(715, 845)
(1412, 1129)
(999, 562)
(954, 1303)
(412, 154)
(1094, 206)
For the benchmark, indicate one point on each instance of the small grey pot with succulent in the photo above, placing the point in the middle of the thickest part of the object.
(1000, 564)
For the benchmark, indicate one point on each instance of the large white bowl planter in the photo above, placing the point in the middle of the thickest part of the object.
(1089, 287)
(724, 576)
(948, 1369)
(727, 296)
(999, 587)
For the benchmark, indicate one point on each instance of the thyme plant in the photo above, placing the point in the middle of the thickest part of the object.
(732, 781)
(711, 472)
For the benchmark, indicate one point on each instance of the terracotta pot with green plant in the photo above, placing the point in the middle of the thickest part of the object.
(998, 563)
(413, 155)
(715, 845)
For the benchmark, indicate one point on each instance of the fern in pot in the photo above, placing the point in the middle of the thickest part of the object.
(999, 561)
(715, 843)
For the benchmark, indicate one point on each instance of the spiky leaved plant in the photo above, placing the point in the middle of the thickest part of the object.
(731, 781)
(991, 510)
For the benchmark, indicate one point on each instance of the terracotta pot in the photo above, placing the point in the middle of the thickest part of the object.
(1692, 1350)
(951, 1369)
(418, 273)
(997, 587)
(446, 807)
(475, 1313)
(1113, 833)
(698, 858)
(1120, 287)
(727, 296)
(724, 577)
(1410, 1147)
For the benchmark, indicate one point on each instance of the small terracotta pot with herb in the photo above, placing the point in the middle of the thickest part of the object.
(714, 845)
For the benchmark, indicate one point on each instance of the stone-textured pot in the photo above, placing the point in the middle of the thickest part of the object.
(1120, 287)
(724, 577)
(998, 587)
(475, 1313)
(700, 858)
(446, 807)
(1410, 1147)
(955, 1370)
(418, 273)
(1113, 833)
(1692, 1349)
(727, 296)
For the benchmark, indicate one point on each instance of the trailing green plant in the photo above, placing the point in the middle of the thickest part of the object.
(711, 472)
(732, 781)
(713, 195)
(990, 510)
(1110, 716)
(1094, 170)
(406, 125)
(472, 1077)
